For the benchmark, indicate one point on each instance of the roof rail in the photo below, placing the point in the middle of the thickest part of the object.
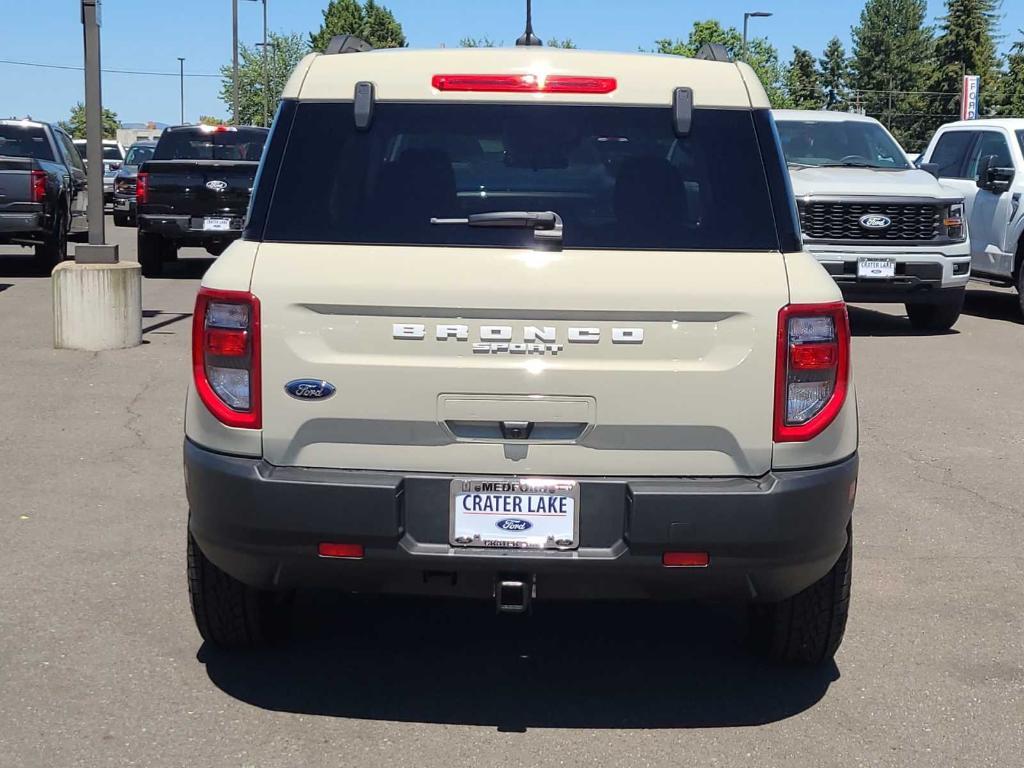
(713, 52)
(347, 44)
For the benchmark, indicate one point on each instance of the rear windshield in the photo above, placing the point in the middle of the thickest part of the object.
(1020, 138)
(138, 155)
(211, 144)
(110, 151)
(618, 176)
(24, 141)
(840, 143)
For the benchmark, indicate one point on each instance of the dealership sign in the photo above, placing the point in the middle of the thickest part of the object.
(969, 98)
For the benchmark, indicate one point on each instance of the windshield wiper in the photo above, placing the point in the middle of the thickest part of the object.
(854, 165)
(546, 225)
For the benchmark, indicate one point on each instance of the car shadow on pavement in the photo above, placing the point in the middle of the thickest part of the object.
(5, 286)
(19, 266)
(569, 665)
(993, 305)
(170, 318)
(191, 268)
(870, 322)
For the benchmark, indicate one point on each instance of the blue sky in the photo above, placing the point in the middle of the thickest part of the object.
(150, 35)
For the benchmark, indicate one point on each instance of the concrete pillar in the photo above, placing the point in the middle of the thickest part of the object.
(97, 306)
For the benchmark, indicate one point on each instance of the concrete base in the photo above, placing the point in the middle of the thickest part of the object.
(97, 306)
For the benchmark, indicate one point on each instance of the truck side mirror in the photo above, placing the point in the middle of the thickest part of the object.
(992, 178)
(984, 164)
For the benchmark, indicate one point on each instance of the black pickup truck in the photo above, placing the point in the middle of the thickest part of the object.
(195, 190)
(42, 190)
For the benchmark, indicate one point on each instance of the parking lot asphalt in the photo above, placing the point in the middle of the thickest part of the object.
(100, 664)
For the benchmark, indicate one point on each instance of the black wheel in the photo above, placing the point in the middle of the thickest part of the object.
(808, 627)
(170, 250)
(938, 316)
(54, 249)
(151, 254)
(121, 220)
(229, 613)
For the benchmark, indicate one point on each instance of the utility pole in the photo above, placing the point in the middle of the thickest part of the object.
(746, 20)
(234, 60)
(181, 82)
(91, 18)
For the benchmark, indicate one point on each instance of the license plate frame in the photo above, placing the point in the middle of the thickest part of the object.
(551, 529)
(872, 268)
(216, 224)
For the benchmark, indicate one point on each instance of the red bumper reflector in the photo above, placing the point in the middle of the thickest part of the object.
(524, 83)
(685, 559)
(348, 551)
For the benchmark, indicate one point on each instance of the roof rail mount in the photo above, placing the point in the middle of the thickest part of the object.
(713, 52)
(347, 44)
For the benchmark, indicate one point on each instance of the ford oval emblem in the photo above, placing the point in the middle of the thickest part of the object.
(875, 221)
(217, 185)
(514, 524)
(310, 389)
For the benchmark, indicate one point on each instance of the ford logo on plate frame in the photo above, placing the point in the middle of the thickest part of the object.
(513, 524)
(310, 389)
(217, 185)
(875, 221)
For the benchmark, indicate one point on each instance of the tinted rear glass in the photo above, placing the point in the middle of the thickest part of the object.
(618, 176)
(138, 155)
(845, 142)
(24, 141)
(1020, 138)
(212, 144)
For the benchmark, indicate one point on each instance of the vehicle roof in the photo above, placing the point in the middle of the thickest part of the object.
(1011, 123)
(403, 74)
(820, 116)
(104, 141)
(16, 121)
(211, 128)
(142, 143)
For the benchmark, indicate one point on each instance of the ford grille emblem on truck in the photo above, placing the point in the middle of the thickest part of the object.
(217, 185)
(514, 524)
(875, 221)
(309, 389)
(528, 340)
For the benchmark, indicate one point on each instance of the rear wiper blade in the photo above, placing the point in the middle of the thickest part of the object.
(546, 225)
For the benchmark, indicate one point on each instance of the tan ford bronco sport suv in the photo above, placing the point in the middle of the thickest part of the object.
(524, 325)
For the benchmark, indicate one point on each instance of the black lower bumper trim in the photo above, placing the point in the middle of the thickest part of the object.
(767, 537)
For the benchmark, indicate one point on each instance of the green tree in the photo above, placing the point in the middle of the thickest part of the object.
(75, 124)
(892, 56)
(254, 98)
(556, 43)
(761, 55)
(1011, 84)
(211, 120)
(477, 42)
(372, 22)
(967, 46)
(803, 82)
(835, 75)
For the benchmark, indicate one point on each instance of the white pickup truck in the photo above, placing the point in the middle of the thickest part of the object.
(884, 229)
(984, 160)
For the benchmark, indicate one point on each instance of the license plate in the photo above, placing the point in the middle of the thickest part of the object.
(216, 225)
(523, 513)
(876, 269)
(122, 204)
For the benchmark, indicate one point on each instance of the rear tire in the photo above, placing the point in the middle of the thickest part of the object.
(151, 254)
(808, 628)
(228, 613)
(1020, 276)
(54, 249)
(938, 316)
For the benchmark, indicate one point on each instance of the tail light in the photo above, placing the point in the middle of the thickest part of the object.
(141, 187)
(525, 83)
(226, 356)
(812, 369)
(38, 181)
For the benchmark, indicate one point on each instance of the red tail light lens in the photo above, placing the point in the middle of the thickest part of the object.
(812, 369)
(226, 356)
(524, 83)
(141, 187)
(38, 182)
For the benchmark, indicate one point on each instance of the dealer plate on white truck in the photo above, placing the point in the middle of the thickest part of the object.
(515, 513)
(876, 268)
(216, 225)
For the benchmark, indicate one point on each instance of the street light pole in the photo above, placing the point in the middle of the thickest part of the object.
(234, 59)
(181, 83)
(266, 71)
(93, 121)
(746, 19)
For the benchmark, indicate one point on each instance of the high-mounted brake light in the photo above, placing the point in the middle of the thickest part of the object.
(812, 369)
(226, 356)
(524, 83)
(141, 187)
(38, 181)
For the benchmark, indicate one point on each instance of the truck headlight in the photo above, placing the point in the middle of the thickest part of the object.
(953, 222)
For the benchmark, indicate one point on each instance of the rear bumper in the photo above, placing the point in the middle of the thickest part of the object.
(124, 204)
(25, 224)
(768, 538)
(189, 229)
(920, 273)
